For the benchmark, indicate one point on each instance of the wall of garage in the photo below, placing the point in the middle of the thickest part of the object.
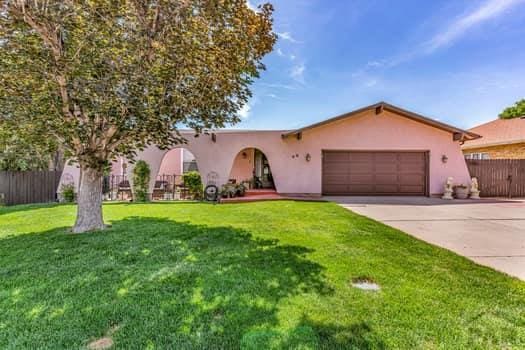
(387, 131)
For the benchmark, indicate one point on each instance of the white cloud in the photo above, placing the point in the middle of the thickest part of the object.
(297, 72)
(488, 10)
(244, 112)
(279, 86)
(373, 64)
(287, 36)
(280, 53)
(274, 96)
(448, 34)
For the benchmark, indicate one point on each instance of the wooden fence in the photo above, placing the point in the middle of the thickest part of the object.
(499, 177)
(25, 187)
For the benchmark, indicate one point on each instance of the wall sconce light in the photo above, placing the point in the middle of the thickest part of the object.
(244, 155)
(444, 158)
(308, 157)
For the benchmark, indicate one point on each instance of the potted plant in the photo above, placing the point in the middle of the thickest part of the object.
(228, 191)
(240, 190)
(461, 191)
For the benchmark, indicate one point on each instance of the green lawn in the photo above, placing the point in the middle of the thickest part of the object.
(251, 276)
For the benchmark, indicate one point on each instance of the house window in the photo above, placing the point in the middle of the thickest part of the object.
(477, 156)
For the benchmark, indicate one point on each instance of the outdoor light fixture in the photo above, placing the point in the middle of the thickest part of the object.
(308, 157)
(244, 155)
(444, 158)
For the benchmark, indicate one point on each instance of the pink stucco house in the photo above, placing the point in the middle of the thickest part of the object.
(380, 149)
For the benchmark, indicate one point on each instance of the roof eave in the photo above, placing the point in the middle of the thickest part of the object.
(492, 144)
(465, 135)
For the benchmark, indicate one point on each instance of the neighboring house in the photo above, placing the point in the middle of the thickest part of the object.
(501, 139)
(376, 150)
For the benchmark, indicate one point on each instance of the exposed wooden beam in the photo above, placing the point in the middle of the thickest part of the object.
(379, 109)
(457, 136)
(299, 135)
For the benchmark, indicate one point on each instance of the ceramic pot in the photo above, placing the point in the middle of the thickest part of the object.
(461, 192)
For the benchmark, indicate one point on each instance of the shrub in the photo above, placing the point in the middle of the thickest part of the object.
(141, 177)
(68, 192)
(192, 180)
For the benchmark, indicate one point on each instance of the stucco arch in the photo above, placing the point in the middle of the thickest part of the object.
(263, 150)
(154, 157)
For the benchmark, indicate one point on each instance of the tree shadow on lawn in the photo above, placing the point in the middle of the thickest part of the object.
(9, 209)
(153, 282)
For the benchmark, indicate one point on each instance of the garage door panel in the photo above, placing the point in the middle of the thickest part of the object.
(361, 169)
(412, 189)
(336, 179)
(386, 189)
(366, 157)
(386, 157)
(337, 170)
(371, 172)
(336, 157)
(386, 179)
(413, 157)
(336, 189)
(360, 188)
(341, 166)
(412, 180)
(386, 167)
(361, 179)
(416, 169)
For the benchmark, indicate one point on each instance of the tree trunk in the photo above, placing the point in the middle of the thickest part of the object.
(57, 161)
(89, 212)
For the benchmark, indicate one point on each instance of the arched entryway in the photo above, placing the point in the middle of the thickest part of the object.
(169, 181)
(252, 168)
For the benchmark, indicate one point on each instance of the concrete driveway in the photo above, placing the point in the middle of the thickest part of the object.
(489, 232)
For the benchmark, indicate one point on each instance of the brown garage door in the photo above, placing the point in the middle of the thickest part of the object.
(375, 173)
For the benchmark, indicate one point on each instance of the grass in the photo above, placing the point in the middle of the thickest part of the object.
(253, 276)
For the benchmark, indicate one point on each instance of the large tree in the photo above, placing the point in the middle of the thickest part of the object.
(107, 77)
(515, 111)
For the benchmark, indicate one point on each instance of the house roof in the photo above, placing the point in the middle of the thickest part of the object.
(459, 134)
(498, 132)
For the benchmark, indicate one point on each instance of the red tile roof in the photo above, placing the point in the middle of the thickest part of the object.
(498, 132)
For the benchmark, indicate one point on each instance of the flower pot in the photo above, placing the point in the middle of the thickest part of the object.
(461, 192)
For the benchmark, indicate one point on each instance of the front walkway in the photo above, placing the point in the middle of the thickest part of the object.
(489, 232)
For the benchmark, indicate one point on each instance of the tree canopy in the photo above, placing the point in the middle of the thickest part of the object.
(515, 111)
(107, 77)
(21, 148)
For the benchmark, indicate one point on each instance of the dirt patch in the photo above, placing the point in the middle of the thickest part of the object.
(365, 283)
(101, 344)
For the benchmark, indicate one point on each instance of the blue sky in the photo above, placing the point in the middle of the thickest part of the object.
(458, 61)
